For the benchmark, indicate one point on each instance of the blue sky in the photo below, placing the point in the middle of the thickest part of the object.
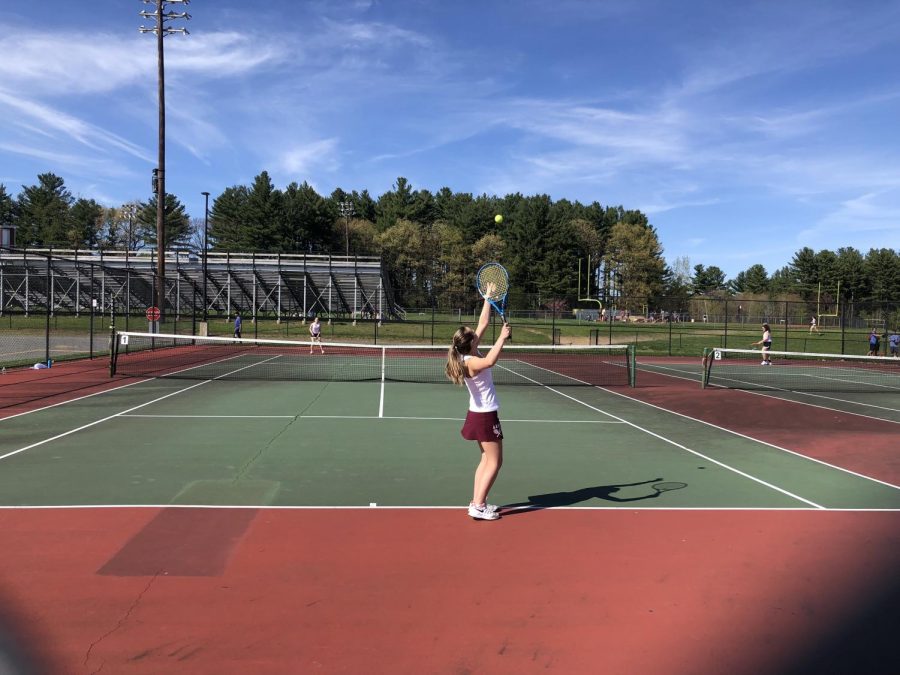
(745, 130)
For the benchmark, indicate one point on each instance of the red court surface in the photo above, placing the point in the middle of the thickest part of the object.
(430, 591)
(24, 389)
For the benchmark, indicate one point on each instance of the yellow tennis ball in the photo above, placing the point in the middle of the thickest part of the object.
(498, 219)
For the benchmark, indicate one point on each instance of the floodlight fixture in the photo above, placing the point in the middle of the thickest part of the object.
(347, 211)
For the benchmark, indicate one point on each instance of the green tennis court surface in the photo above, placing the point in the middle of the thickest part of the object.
(355, 444)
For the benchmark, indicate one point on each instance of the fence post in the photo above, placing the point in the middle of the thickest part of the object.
(843, 324)
(49, 310)
(553, 327)
(128, 292)
(786, 320)
(91, 330)
(726, 325)
(669, 317)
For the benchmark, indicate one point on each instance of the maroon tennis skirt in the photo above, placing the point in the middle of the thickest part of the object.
(482, 426)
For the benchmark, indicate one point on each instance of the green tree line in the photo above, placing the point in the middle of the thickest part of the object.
(432, 243)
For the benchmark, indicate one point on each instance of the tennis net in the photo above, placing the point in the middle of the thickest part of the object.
(799, 371)
(222, 358)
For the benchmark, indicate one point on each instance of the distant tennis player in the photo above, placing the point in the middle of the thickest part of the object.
(465, 364)
(874, 343)
(315, 335)
(237, 324)
(766, 343)
(813, 326)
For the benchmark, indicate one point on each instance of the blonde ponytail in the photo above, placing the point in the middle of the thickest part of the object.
(459, 347)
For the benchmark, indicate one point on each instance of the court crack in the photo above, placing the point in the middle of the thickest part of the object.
(119, 624)
(246, 466)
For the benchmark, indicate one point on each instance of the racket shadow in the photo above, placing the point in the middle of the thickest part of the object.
(604, 492)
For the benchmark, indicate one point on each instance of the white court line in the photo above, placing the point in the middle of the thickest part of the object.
(650, 368)
(96, 422)
(365, 417)
(677, 445)
(381, 397)
(97, 393)
(791, 391)
(215, 417)
(109, 417)
(72, 400)
(756, 440)
(455, 507)
(824, 407)
(505, 420)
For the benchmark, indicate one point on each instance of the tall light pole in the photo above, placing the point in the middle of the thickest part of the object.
(205, 246)
(161, 30)
(346, 212)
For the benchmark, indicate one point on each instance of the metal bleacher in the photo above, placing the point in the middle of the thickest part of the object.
(277, 285)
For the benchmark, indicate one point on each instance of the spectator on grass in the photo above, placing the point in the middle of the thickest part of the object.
(894, 342)
(766, 343)
(237, 324)
(874, 342)
(466, 365)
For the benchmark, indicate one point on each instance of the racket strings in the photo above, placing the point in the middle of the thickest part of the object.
(493, 276)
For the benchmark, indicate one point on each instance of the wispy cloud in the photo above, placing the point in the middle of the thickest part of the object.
(75, 163)
(303, 159)
(225, 54)
(64, 63)
(48, 120)
(45, 63)
(872, 212)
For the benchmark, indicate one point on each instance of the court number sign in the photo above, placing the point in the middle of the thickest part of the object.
(717, 354)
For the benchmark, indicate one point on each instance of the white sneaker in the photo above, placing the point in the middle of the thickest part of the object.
(487, 507)
(483, 513)
(763, 363)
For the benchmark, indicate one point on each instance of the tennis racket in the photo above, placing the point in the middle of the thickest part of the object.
(492, 283)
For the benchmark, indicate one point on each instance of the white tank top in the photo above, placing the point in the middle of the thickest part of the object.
(482, 396)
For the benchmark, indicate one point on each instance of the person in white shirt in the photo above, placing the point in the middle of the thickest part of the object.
(466, 365)
(315, 335)
(766, 343)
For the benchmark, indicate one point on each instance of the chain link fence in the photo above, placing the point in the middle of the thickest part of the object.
(51, 312)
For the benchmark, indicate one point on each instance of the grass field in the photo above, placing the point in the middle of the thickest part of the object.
(651, 339)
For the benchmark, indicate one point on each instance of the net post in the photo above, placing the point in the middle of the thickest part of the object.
(632, 366)
(113, 348)
(704, 374)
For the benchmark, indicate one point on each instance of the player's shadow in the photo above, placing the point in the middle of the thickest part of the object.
(605, 492)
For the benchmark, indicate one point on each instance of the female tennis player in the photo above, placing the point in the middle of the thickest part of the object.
(766, 343)
(465, 364)
(315, 335)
